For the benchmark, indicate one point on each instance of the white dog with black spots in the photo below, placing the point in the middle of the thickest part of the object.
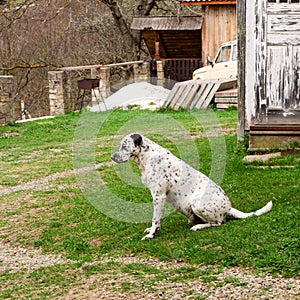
(170, 179)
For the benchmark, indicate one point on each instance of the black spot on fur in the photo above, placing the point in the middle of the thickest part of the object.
(137, 139)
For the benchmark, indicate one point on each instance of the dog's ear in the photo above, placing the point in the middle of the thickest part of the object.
(137, 139)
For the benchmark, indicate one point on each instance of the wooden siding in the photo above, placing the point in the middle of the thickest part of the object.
(284, 1)
(207, 2)
(179, 70)
(283, 62)
(219, 26)
(269, 50)
(277, 63)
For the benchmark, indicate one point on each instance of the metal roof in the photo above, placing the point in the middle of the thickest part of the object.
(207, 2)
(167, 23)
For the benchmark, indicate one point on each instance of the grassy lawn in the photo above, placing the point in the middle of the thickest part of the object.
(58, 218)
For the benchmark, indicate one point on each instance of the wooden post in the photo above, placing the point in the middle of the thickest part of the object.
(241, 44)
(156, 55)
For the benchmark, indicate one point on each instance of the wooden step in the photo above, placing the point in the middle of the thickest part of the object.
(266, 136)
(227, 98)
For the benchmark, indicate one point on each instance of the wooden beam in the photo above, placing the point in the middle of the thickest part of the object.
(156, 46)
(241, 40)
(160, 49)
(156, 54)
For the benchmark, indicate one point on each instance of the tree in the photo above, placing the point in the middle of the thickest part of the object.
(143, 8)
(39, 35)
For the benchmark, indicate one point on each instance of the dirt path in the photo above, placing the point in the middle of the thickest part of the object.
(232, 283)
(38, 183)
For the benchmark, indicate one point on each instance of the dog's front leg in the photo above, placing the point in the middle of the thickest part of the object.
(158, 205)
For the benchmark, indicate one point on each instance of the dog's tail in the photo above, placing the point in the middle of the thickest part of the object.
(241, 215)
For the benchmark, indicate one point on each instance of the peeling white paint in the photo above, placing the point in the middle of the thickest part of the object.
(272, 62)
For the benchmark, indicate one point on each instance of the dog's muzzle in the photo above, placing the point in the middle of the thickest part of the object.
(119, 158)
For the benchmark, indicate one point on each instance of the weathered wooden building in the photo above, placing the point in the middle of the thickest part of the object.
(218, 25)
(269, 72)
(176, 41)
(184, 42)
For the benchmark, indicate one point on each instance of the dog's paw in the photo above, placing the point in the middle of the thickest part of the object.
(148, 236)
(194, 228)
(147, 230)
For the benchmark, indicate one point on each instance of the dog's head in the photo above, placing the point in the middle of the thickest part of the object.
(130, 147)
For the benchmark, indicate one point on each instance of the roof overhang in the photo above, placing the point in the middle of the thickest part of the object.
(167, 23)
(171, 37)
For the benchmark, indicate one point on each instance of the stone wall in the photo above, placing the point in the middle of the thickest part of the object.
(56, 92)
(63, 89)
(141, 71)
(7, 105)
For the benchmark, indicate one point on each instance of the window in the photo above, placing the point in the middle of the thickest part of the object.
(224, 54)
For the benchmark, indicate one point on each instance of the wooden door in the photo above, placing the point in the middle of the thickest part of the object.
(278, 61)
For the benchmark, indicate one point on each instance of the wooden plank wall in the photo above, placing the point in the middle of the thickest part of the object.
(219, 26)
(180, 70)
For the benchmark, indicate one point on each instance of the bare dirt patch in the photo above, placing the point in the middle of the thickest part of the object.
(17, 258)
(232, 283)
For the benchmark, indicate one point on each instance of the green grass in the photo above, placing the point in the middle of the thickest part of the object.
(60, 220)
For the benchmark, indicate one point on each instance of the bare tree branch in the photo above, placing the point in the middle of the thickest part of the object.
(30, 66)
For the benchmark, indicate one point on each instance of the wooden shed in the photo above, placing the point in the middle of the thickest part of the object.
(218, 26)
(175, 40)
(171, 37)
(269, 72)
(184, 42)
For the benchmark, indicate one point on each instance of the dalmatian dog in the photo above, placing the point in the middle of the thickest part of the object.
(170, 179)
